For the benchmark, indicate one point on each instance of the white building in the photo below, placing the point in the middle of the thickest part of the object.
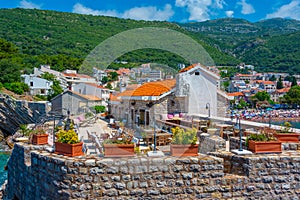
(198, 88)
(93, 89)
(38, 86)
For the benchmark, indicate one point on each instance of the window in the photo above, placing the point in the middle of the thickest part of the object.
(197, 73)
(31, 84)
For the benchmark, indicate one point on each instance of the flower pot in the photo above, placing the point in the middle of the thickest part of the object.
(265, 147)
(184, 150)
(287, 137)
(118, 150)
(69, 149)
(40, 139)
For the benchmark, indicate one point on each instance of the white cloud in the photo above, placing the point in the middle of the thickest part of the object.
(246, 7)
(81, 9)
(220, 3)
(149, 13)
(291, 10)
(229, 13)
(28, 4)
(139, 13)
(198, 9)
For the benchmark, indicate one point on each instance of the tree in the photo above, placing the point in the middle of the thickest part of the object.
(99, 109)
(272, 78)
(104, 80)
(294, 82)
(56, 90)
(293, 95)
(113, 76)
(279, 84)
(17, 87)
(109, 86)
(262, 96)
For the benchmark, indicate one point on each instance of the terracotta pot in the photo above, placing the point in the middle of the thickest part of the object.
(184, 150)
(265, 147)
(69, 149)
(40, 139)
(118, 150)
(287, 137)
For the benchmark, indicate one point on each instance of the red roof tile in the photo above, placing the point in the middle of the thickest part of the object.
(283, 90)
(188, 68)
(235, 94)
(156, 88)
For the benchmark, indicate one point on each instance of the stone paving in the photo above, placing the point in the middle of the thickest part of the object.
(98, 128)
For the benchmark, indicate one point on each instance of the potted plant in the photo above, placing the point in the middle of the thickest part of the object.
(184, 142)
(39, 136)
(285, 134)
(119, 147)
(68, 143)
(263, 143)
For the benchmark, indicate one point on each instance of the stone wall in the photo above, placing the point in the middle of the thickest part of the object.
(272, 176)
(210, 143)
(36, 174)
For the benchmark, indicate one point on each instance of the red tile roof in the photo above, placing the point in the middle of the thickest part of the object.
(235, 94)
(283, 90)
(123, 71)
(244, 75)
(156, 88)
(76, 75)
(268, 82)
(88, 97)
(188, 68)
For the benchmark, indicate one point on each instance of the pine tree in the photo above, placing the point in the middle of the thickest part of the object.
(279, 84)
(294, 81)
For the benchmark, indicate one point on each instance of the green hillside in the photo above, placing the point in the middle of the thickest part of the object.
(63, 40)
(269, 45)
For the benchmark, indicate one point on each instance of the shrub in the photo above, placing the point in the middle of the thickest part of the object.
(263, 137)
(180, 136)
(69, 137)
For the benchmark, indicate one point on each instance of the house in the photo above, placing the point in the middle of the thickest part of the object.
(37, 86)
(99, 74)
(235, 95)
(198, 88)
(141, 105)
(45, 68)
(93, 89)
(74, 102)
(71, 77)
(275, 96)
(268, 86)
(237, 86)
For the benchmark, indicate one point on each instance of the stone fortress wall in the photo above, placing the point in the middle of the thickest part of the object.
(33, 173)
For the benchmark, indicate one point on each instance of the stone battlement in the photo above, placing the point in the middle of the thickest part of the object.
(34, 173)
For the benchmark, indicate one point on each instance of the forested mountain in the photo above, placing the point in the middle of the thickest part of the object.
(269, 45)
(63, 40)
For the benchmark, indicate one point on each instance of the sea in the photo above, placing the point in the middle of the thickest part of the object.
(4, 156)
(293, 123)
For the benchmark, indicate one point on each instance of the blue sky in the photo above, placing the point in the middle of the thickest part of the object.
(169, 10)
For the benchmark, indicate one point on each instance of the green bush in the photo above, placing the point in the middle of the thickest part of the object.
(68, 137)
(263, 137)
(99, 109)
(180, 136)
(17, 87)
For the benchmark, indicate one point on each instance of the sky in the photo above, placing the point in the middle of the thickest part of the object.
(169, 10)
